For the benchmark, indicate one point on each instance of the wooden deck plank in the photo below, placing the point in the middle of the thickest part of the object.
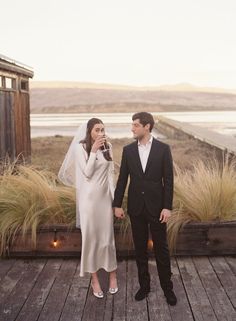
(109, 305)
(19, 294)
(5, 266)
(57, 296)
(134, 310)
(10, 280)
(52, 290)
(200, 305)
(226, 277)
(119, 308)
(216, 294)
(108, 312)
(158, 309)
(39, 294)
(181, 311)
(76, 299)
(232, 263)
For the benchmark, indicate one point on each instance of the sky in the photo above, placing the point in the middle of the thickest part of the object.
(133, 42)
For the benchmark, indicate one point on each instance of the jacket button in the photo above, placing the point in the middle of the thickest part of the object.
(142, 192)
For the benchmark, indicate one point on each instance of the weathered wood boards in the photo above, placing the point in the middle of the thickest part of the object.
(52, 290)
(194, 239)
(14, 110)
(213, 238)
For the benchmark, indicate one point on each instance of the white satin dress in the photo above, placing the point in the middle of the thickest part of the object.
(94, 204)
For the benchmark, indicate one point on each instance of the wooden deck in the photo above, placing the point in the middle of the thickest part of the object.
(51, 290)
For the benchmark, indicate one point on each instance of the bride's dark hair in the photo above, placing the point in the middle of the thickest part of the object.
(88, 139)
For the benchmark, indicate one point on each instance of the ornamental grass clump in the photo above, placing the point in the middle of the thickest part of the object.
(30, 198)
(205, 194)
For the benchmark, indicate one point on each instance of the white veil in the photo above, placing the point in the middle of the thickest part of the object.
(69, 172)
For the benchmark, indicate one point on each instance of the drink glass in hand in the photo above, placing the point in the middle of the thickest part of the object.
(103, 147)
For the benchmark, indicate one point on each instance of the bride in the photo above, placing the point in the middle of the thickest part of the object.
(88, 166)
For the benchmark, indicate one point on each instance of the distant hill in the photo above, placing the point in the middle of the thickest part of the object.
(92, 97)
(89, 85)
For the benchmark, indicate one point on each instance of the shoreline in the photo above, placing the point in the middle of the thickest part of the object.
(119, 124)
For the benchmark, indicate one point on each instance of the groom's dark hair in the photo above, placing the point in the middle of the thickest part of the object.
(144, 119)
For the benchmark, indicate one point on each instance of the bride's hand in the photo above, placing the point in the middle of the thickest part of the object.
(98, 143)
(119, 212)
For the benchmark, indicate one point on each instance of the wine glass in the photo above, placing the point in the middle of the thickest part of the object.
(103, 148)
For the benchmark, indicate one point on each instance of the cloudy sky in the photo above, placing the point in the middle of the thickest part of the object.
(136, 42)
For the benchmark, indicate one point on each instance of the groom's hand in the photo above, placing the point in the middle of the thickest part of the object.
(164, 216)
(119, 212)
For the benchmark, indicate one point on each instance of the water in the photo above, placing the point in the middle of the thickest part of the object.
(118, 125)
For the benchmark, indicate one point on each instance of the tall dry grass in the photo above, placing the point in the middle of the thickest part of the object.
(30, 198)
(205, 194)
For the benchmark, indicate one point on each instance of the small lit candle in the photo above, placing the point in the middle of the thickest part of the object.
(150, 244)
(55, 243)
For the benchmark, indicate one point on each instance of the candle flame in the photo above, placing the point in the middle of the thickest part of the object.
(150, 244)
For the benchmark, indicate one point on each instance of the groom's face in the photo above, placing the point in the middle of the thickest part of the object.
(139, 131)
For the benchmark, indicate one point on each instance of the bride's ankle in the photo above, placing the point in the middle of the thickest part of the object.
(112, 276)
(96, 287)
(113, 282)
(95, 283)
(95, 280)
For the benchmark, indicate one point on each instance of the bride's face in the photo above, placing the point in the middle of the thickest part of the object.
(97, 130)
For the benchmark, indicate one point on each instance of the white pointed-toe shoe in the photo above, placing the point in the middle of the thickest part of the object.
(113, 290)
(98, 295)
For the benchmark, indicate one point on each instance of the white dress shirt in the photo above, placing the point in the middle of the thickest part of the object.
(144, 151)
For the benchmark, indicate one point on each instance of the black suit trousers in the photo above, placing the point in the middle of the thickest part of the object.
(140, 229)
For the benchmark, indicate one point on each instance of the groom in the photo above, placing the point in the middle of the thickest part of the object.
(148, 163)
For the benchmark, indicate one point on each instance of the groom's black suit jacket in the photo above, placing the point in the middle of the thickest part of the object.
(152, 188)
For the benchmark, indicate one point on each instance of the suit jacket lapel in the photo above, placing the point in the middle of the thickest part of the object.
(137, 159)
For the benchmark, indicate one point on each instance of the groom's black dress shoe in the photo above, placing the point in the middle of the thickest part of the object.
(170, 297)
(141, 294)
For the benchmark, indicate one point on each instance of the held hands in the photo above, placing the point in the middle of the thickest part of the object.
(119, 212)
(98, 143)
(165, 214)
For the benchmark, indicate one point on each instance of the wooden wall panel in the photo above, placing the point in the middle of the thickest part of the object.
(7, 125)
(15, 122)
(2, 125)
(14, 110)
(22, 125)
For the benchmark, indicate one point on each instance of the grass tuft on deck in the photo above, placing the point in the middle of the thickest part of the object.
(205, 194)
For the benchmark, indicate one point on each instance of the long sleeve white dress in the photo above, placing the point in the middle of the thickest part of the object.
(94, 201)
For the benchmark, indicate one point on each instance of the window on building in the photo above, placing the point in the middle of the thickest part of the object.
(10, 83)
(1, 81)
(24, 85)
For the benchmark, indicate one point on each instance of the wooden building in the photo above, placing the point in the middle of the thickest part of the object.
(14, 109)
